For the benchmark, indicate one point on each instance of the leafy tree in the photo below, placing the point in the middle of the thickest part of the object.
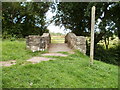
(77, 17)
(24, 18)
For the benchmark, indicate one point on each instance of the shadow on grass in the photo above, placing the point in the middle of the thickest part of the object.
(106, 55)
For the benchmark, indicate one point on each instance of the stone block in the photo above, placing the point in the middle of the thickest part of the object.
(76, 42)
(38, 43)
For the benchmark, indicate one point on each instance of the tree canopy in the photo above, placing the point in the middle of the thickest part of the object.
(77, 17)
(23, 18)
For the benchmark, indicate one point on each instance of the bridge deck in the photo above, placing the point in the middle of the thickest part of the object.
(59, 47)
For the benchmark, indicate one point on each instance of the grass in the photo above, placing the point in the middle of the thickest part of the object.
(16, 50)
(58, 39)
(0, 49)
(72, 71)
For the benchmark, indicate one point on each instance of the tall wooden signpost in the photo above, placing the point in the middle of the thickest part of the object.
(92, 35)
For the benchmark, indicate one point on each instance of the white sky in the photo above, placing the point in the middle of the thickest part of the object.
(28, 0)
(52, 27)
(57, 29)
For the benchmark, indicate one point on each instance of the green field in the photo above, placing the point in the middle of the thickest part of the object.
(72, 71)
(58, 39)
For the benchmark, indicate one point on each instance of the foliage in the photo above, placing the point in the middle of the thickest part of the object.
(110, 55)
(64, 72)
(23, 18)
(77, 17)
(107, 55)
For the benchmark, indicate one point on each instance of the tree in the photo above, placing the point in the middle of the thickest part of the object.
(24, 18)
(76, 17)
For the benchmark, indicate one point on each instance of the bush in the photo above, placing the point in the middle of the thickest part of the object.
(106, 55)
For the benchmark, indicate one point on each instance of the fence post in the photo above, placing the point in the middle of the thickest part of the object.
(92, 35)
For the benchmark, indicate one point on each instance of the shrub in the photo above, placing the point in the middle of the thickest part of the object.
(106, 55)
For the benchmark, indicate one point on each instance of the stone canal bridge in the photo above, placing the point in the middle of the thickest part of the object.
(47, 42)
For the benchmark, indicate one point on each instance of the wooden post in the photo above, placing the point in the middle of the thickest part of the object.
(92, 35)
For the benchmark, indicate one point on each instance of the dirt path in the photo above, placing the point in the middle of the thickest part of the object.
(59, 47)
(7, 63)
(34, 60)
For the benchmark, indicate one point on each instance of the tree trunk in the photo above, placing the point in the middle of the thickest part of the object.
(106, 43)
(98, 38)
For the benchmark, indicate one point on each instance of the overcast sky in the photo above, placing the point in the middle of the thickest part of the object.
(57, 29)
(52, 27)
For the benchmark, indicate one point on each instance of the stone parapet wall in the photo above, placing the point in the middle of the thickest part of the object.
(47, 39)
(38, 43)
(76, 42)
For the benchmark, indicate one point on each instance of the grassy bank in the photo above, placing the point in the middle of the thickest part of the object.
(16, 50)
(72, 71)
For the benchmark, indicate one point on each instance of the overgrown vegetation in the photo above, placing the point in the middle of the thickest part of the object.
(109, 55)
